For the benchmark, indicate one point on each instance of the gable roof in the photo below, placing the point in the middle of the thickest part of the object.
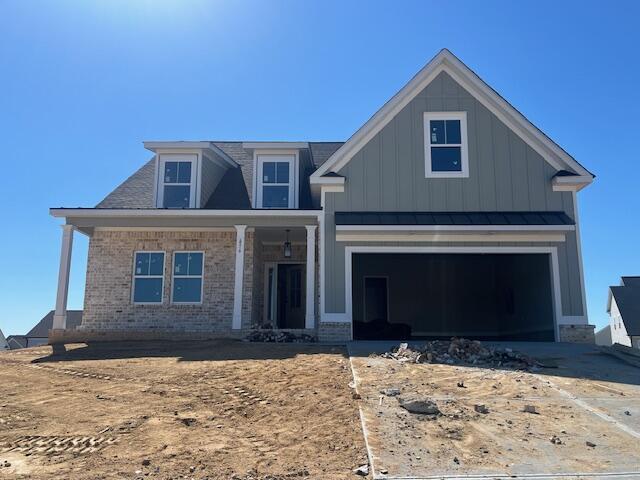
(446, 61)
(3, 342)
(41, 329)
(628, 302)
(17, 341)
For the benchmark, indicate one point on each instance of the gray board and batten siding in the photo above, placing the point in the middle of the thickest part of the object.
(505, 174)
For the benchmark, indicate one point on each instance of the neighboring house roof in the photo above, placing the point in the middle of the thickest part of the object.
(630, 281)
(453, 218)
(3, 342)
(627, 297)
(41, 329)
(17, 341)
(232, 191)
(446, 61)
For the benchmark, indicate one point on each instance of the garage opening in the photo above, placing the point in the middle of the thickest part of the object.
(482, 296)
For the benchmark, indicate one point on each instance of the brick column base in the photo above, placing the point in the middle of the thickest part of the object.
(577, 333)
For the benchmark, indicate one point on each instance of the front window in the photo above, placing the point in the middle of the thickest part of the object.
(176, 185)
(446, 144)
(276, 181)
(187, 277)
(148, 277)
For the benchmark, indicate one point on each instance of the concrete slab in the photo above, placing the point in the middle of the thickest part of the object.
(585, 399)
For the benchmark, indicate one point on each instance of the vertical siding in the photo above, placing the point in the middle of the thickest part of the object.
(505, 174)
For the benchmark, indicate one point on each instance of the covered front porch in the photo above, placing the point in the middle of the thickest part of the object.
(260, 271)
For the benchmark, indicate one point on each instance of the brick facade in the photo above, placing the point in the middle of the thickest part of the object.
(577, 333)
(334, 332)
(108, 304)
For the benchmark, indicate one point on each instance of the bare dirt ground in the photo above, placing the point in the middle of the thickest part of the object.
(562, 437)
(217, 410)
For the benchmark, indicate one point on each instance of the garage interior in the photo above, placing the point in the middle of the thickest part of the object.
(482, 296)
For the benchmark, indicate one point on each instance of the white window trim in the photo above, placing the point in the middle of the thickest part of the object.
(259, 159)
(174, 276)
(162, 159)
(464, 146)
(134, 276)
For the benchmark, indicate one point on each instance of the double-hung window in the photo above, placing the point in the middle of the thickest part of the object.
(177, 181)
(276, 181)
(148, 277)
(445, 141)
(187, 277)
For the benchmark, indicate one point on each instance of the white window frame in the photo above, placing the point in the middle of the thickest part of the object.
(134, 276)
(464, 154)
(290, 156)
(174, 276)
(192, 158)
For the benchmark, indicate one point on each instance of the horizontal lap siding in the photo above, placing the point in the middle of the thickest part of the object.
(505, 174)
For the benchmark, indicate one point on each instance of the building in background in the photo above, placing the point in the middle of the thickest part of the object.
(603, 336)
(39, 334)
(623, 308)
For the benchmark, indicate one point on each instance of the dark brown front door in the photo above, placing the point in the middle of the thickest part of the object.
(291, 302)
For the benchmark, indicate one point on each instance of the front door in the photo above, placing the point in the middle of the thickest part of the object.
(290, 295)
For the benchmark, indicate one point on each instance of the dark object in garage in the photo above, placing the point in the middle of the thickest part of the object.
(381, 330)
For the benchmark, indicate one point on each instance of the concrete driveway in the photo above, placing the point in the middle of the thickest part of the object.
(586, 425)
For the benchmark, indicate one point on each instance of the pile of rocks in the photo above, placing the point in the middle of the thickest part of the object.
(461, 351)
(279, 336)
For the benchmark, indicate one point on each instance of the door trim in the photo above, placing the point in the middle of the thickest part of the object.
(265, 292)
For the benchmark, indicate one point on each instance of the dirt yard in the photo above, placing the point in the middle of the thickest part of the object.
(220, 410)
(483, 427)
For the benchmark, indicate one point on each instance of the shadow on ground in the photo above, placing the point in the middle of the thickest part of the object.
(187, 351)
(569, 360)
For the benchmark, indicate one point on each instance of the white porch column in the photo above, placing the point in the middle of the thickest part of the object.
(236, 323)
(311, 277)
(60, 315)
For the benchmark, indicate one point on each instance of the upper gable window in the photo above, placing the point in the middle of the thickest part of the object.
(445, 139)
(276, 185)
(176, 182)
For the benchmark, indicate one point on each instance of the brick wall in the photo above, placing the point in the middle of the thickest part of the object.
(108, 304)
(334, 332)
(577, 333)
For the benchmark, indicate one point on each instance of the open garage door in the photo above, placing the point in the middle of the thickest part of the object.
(483, 296)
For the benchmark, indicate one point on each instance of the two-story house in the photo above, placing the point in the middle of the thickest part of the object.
(623, 307)
(446, 213)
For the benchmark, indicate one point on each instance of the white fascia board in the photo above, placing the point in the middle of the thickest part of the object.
(454, 228)
(326, 180)
(275, 145)
(446, 61)
(121, 213)
(188, 147)
(570, 183)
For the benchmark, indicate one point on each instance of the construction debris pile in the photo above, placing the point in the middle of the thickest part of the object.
(279, 336)
(461, 351)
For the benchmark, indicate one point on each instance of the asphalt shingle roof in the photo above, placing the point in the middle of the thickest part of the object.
(628, 301)
(137, 190)
(41, 329)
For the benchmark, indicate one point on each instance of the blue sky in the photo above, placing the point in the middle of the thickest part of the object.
(83, 83)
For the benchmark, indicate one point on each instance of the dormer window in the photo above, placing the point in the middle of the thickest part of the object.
(276, 180)
(177, 181)
(445, 142)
